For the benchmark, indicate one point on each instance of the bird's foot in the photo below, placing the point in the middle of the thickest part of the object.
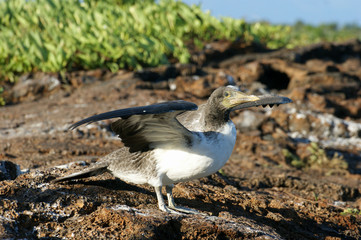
(169, 210)
(178, 210)
(184, 210)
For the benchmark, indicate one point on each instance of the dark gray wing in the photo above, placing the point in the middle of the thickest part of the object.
(264, 101)
(144, 132)
(148, 127)
(159, 108)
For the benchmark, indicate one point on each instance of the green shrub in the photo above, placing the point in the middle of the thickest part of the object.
(61, 35)
(2, 101)
(303, 34)
(317, 159)
(351, 211)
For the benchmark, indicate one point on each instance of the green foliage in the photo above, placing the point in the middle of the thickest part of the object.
(58, 35)
(317, 159)
(221, 171)
(351, 211)
(63, 35)
(293, 159)
(303, 34)
(315, 195)
(2, 101)
(273, 36)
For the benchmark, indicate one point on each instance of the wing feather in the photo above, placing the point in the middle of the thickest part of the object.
(141, 133)
(165, 107)
(144, 128)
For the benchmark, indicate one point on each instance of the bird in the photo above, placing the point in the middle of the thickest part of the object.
(171, 142)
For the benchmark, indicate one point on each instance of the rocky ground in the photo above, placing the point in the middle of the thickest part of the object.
(295, 172)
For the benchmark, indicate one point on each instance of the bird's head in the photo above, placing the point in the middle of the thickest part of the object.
(228, 98)
(224, 100)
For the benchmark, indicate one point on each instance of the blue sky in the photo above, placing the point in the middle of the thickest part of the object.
(286, 11)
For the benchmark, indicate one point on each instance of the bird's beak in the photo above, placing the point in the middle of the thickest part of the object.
(247, 101)
(239, 98)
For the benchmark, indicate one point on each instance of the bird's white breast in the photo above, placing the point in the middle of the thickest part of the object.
(202, 159)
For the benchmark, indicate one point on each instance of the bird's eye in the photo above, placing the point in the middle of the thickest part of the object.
(226, 94)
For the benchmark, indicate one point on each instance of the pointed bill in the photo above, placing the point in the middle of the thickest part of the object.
(263, 101)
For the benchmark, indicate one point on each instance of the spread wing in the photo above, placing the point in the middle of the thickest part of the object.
(264, 101)
(143, 128)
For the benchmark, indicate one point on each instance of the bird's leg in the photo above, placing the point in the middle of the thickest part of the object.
(172, 205)
(161, 203)
(169, 190)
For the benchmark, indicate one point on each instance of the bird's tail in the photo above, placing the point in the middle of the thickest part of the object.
(94, 170)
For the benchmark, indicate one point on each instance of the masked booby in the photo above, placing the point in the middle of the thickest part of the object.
(173, 142)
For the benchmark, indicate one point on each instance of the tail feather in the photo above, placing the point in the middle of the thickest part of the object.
(94, 170)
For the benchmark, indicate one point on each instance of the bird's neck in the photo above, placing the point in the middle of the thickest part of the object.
(214, 118)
